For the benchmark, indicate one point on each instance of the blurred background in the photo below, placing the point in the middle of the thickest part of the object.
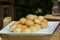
(15, 9)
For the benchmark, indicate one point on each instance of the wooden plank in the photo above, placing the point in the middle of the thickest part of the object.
(31, 38)
(51, 17)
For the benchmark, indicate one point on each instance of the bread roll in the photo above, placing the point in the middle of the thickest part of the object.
(17, 30)
(33, 28)
(26, 30)
(23, 27)
(30, 17)
(22, 20)
(37, 21)
(29, 23)
(45, 21)
(37, 26)
(43, 25)
(35, 16)
(13, 26)
(40, 17)
(19, 25)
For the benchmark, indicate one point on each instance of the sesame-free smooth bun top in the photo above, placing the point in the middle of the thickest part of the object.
(45, 21)
(22, 20)
(37, 26)
(37, 21)
(33, 28)
(43, 25)
(29, 23)
(26, 30)
(30, 17)
(35, 16)
(19, 25)
(13, 26)
(17, 30)
(41, 17)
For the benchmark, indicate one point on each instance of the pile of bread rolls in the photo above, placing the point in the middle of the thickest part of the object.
(29, 24)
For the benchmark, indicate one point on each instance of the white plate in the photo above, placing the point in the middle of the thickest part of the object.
(52, 25)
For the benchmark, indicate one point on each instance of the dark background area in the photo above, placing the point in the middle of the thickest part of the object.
(5, 10)
(21, 8)
(25, 7)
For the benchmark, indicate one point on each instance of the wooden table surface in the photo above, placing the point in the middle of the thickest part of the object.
(54, 36)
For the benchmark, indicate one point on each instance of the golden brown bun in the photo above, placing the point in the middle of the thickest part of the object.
(22, 20)
(30, 17)
(23, 27)
(13, 26)
(37, 21)
(40, 17)
(19, 25)
(45, 21)
(35, 16)
(33, 28)
(17, 30)
(29, 23)
(37, 26)
(26, 30)
(43, 25)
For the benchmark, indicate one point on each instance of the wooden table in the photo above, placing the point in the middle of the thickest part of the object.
(54, 36)
(51, 17)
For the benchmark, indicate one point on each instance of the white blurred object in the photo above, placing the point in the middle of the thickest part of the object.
(39, 10)
(59, 0)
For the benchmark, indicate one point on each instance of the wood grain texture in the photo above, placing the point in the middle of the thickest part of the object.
(31, 38)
